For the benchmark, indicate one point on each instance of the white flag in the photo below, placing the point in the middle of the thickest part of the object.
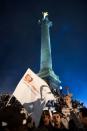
(33, 93)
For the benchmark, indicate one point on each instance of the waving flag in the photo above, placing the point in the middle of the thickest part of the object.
(33, 93)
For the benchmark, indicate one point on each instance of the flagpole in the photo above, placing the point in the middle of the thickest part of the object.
(67, 92)
(9, 100)
(67, 89)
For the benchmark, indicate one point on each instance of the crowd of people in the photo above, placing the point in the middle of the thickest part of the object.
(63, 113)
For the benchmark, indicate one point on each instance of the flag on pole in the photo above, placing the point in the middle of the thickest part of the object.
(33, 93)
(67, 89)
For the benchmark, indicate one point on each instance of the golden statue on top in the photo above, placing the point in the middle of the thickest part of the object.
(44, 14)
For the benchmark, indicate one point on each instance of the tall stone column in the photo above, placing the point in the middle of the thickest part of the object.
(46, 71)
(46, 59)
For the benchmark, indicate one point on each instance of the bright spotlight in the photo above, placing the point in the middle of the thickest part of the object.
(61, 87)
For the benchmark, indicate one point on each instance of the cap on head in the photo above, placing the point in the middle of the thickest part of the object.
(57, 112)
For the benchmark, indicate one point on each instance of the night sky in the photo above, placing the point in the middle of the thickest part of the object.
(20, 42)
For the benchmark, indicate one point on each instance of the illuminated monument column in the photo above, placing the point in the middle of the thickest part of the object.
(46, 72)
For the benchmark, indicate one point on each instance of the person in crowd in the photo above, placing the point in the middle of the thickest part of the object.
(11, 119)
(57, 120)
(30, 124)
(83, 117)
(67, 106)
(45, 122)
(68, 100)
(78, 120)
(75, 108)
